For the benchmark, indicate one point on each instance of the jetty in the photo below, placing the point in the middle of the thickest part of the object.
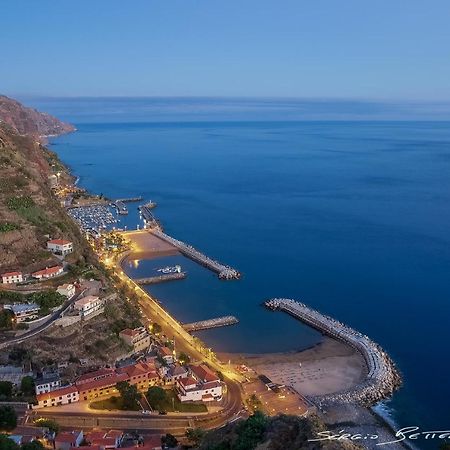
(148, 217)
(211, 323)
(121, 208)
(224, 272)
(129, 200)
(382, 376)
(161, 278)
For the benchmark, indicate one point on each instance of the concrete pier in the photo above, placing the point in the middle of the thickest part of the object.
(129, 200)
(211, 323)
(224, 272)
(121, 208)
(382, 376)
(161, 278)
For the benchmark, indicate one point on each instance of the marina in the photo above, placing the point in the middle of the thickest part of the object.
(382, 376)
(161, 278)
(211, 323)
(93, 217)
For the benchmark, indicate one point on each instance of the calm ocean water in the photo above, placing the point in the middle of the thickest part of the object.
(351, 217)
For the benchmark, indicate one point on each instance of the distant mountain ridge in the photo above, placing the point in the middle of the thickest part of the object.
(28, 121)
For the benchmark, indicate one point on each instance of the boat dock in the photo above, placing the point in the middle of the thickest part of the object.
(161, 278)
(211, 323)
(224, 272)
(121, 208)
(382, 378)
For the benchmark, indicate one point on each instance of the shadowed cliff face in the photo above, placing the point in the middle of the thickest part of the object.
(28, 121)
(29, 212)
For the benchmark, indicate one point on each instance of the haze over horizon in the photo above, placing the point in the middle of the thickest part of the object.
(321, 50)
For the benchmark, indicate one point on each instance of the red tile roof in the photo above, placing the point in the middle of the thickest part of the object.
(103, 382)
(47, 271)
(188, 382)
(91, 376)
(165, 351)
(59, 242)
(67, 436)
(204, 373)
(11, 274)
(57, 393)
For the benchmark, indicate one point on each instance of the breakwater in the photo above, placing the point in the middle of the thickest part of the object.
(211, 323)
(224, 272)
(161, 278)
(382, 376)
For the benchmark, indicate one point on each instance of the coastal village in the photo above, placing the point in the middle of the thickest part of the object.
(88, 354)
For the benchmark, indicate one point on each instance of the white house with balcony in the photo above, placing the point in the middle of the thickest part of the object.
(89, 305)
(60, 247)
(68, 290)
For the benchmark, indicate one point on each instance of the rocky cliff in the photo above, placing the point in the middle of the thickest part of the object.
(28, 121)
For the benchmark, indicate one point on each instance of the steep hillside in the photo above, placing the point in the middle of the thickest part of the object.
(28, 210)
(28, 121)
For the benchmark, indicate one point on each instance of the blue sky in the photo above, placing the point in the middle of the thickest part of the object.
(384, 49)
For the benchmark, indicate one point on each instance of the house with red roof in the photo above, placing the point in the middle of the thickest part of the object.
(12, 277)
(48, 272)
(66, 440)
(60, 247)
(62, 396)
(88, 305)
(203, 373)
(166, 354)
(138, 338)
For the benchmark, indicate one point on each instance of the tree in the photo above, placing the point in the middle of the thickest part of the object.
(7, 444)
(129, 394)
(195, 435)
(6, 389)
(156, 397)
(183, 358)
(35, 445)
(156, 328)
(47, 423)
(8, 418)
(169, 440)
(27, 386)
(6, 319)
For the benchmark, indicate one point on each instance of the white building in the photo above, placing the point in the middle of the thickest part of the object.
(12, 277)
(44, 385)
(175, 372)
(48, 272)
(61, 396)
(138, 338)
(166, 354)
(60, 247)
(68, 290)
(189, 389)
(88, 305)
(24, 311)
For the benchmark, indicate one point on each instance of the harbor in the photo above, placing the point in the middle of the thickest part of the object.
(382, 377)
(211, 323)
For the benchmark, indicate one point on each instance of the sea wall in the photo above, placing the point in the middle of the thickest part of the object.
(382, 377)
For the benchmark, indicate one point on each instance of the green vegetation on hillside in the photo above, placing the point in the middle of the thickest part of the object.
(45, 299)
(274, 433)
(8, 226)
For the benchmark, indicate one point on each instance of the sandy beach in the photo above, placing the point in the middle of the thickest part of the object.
(325, 368)
(146, 245)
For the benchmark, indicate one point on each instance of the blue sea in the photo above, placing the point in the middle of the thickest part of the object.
(342, 205)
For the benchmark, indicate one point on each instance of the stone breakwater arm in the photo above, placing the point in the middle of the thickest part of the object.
(224, 272)
(382, 376)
